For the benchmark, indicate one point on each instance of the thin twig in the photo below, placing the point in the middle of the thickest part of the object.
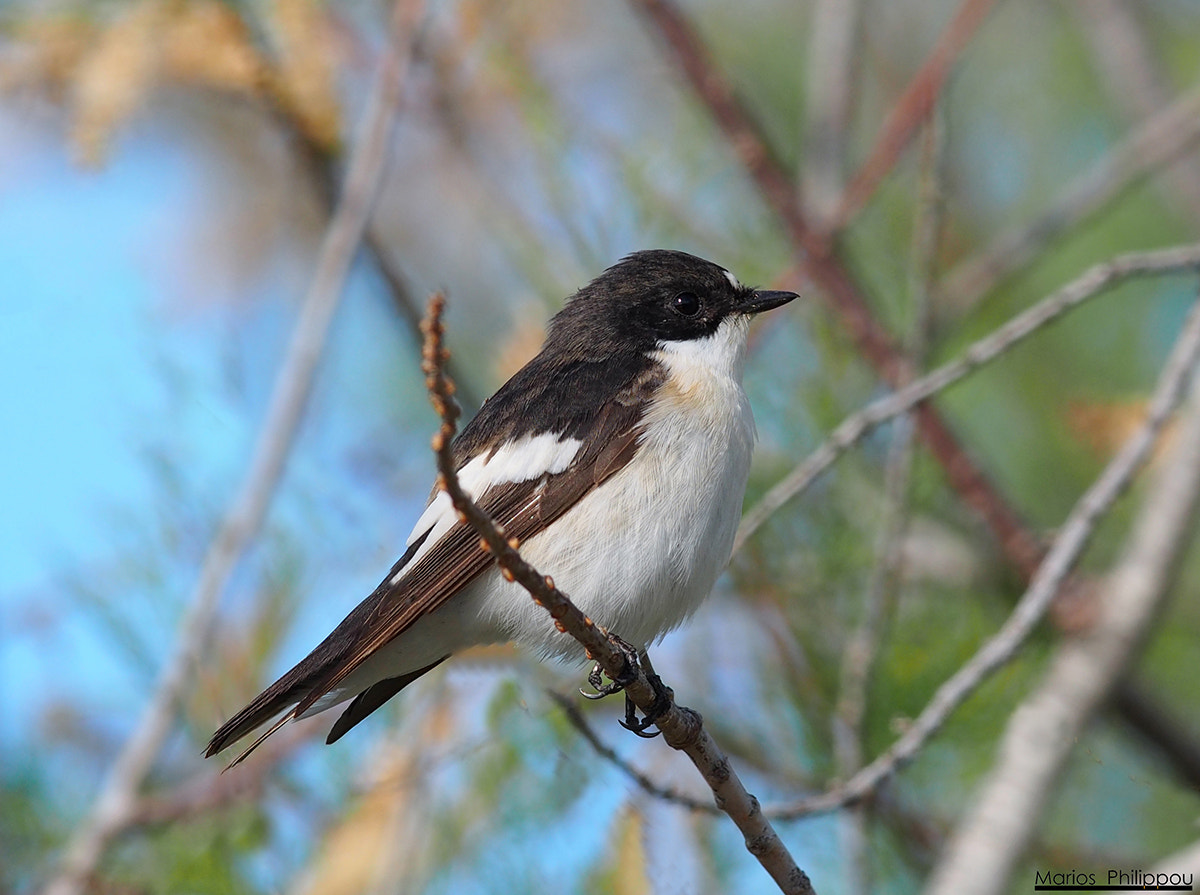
(857, 425)
(913, 107)
(682, 728)
(1073, 537)
(829, 84)
(665, 793)
(862, 647)
(1133, 69)
(1045, 729)
(1157, 142)
(117, 800)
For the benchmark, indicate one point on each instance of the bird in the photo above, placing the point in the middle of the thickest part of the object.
(617, 457)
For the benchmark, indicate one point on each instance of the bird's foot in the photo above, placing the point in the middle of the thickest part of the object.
(662, 702)
(633, 661)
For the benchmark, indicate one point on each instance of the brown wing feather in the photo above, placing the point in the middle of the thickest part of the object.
(524, 508)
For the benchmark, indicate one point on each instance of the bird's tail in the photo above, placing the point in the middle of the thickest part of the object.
(296, 695)
(280, 699)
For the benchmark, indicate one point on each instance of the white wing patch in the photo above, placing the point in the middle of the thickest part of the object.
(526, 458)
(519, 461)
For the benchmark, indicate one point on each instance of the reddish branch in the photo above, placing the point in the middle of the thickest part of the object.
(913, 108)
(836, 285)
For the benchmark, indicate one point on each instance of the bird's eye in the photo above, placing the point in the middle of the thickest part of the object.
(686, 303)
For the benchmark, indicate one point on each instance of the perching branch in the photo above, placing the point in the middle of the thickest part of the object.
(851, 430)
(681, 727)
(1073, 537)
(1045, 729)
(117, 803)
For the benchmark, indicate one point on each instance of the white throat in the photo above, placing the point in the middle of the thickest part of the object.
(696, 362)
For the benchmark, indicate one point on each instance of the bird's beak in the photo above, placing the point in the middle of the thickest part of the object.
(763, 300)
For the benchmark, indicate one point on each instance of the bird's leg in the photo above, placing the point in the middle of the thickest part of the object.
(633, 660)
(662, 702)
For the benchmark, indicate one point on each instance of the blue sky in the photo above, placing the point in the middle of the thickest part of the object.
(104, 370)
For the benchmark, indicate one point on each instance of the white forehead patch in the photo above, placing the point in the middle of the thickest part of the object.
(733, 281)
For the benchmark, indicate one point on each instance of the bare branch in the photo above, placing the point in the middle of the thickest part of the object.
(1044, 730)
(913, 107)
(1073, 536)
(666, 794)
(117, 803)
(682, 728)
(851, 430)
(1158, 141)
(830, 85)
(1133, 69)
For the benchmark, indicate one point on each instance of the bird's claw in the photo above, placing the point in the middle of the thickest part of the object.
(662, 696)
(596, 680)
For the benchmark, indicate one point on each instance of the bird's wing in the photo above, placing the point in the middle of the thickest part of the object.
(523, 485)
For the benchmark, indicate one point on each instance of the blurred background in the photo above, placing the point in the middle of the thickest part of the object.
(167, 173)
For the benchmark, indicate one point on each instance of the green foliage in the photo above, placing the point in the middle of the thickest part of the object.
(30, 829)
(201, 856)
